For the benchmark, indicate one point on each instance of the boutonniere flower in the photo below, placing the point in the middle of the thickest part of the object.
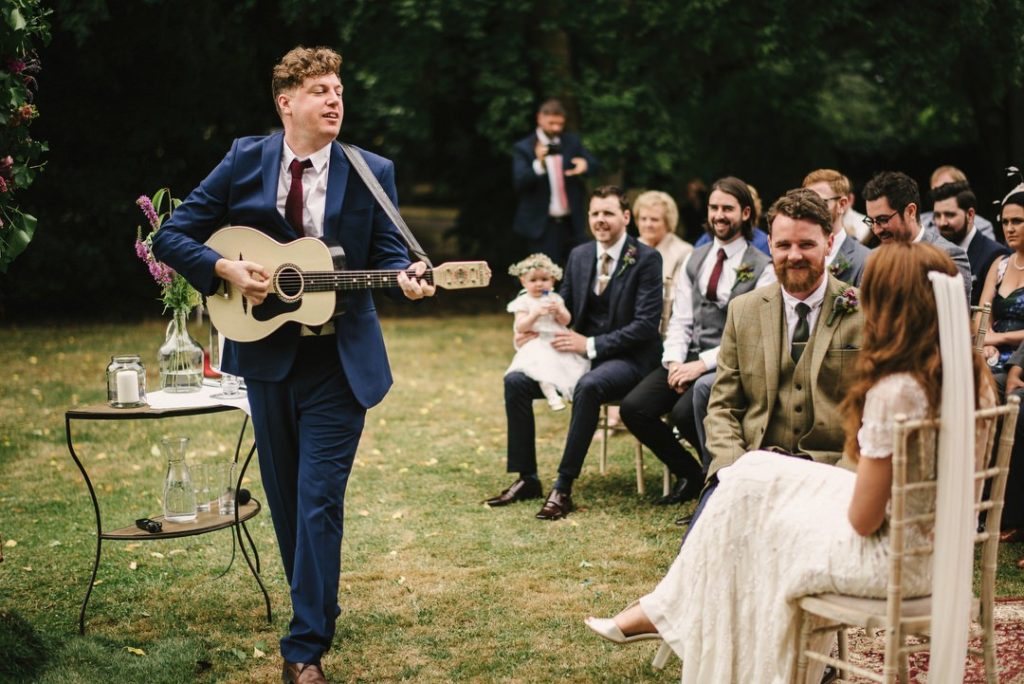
(744, 272)
(628, 259)
(838, 266)
(844, 303)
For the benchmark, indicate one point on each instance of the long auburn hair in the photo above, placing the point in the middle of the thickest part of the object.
(901, 329)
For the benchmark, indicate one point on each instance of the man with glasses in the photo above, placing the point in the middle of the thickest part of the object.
(846, 260)
(892, 210)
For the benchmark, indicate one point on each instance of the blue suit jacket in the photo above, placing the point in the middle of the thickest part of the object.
(635, 292)
(242, 191)
(535, 191)
(981, 253)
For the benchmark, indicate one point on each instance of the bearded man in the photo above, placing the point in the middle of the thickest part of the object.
(788, 350)
(713, 275)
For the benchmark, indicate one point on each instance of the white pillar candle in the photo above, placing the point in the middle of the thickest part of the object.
(127, 387)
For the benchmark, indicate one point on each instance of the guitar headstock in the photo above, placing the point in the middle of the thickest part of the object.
(456, 275)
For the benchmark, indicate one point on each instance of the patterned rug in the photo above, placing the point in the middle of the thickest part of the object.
(866, 649)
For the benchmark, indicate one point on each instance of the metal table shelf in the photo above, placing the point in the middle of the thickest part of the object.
(205, 522)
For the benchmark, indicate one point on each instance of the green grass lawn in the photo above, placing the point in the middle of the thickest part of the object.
(435, 587)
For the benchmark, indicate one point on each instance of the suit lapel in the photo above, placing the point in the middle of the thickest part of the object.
(584, 277)
(270, 163)
(774, 334)
(822, 331)
(337, 180)
(619, 274)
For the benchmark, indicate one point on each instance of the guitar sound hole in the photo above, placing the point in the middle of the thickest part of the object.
(289, 282)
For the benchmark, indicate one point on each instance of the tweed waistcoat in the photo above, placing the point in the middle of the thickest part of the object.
(793, 413)
(708, 316)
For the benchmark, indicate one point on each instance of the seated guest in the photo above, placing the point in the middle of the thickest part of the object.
(893, 202)
(713, 276)
(953, 214)
(846, 259)
(950, 174)
(779, 528)
(758, 238)
(612, 288)
(1004, 290)
(656, 217)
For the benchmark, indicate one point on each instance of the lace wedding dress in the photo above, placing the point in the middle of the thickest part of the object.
(776, 529)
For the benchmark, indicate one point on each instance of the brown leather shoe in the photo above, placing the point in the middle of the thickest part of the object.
(302, 673)
(521, 490)
(558, 505)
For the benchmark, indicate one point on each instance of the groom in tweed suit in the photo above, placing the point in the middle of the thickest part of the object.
(788, 350)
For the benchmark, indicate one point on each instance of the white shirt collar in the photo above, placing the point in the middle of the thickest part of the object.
(614, 251)
(967, 239)
(920, 233)
(545, 138)
(319, 158)
(813, 300)
(737, 246)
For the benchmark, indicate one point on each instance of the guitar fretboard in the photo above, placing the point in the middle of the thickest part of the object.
(328, 281)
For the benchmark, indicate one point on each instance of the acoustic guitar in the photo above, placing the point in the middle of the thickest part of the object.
(306, 276)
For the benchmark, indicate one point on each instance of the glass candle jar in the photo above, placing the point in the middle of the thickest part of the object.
(126, 382)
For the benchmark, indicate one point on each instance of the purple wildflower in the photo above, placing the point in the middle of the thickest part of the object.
(146, 205)
(15, 66)
(141, 250)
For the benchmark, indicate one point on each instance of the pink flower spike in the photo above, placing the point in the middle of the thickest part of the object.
(146, 205)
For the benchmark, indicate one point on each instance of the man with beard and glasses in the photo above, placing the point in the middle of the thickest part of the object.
(892, 207)
(788, 350)
(954, 215)
(712, 276)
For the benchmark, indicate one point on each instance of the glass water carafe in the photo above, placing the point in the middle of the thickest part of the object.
(179, 496)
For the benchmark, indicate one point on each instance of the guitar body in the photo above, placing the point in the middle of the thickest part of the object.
(288, 299)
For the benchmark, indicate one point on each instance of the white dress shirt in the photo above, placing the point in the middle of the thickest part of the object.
(680, 325)
(814, 300)
(314, 188)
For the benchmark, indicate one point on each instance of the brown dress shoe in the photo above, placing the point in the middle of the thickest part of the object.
(302, 673)
(558, 505)
(521, 490)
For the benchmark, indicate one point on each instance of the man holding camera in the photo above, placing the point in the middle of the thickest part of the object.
(548, 167)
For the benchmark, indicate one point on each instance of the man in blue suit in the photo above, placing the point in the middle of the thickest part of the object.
(309, 389)
(954, 216)
(548, 168)
(613, 288)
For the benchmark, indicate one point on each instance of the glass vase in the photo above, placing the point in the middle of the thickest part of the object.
(181, 358)
(179, 495)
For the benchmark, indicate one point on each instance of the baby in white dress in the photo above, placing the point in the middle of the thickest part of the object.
(539, 309)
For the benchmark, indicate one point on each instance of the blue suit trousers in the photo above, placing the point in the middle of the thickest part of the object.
(307, 430)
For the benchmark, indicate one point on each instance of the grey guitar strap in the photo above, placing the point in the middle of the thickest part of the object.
(384, 201)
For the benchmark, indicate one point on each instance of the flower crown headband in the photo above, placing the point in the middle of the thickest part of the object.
(535, 262)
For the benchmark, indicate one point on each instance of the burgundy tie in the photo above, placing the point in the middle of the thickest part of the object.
(293, 205)
(716, 275)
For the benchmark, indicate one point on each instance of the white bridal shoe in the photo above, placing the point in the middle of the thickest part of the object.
(607, 629)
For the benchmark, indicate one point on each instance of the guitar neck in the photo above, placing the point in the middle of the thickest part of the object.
(328, 281)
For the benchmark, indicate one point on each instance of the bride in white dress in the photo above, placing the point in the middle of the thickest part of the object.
(777, 529)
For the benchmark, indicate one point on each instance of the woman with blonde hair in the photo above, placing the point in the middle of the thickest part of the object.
(779, 528)
(657, 217)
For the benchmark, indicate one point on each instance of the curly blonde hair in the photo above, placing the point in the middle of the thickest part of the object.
(301, 63)
(535, 262)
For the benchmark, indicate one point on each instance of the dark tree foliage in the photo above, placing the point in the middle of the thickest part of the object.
(143, 94)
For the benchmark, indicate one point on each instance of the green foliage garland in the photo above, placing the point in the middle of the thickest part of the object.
(22, 23)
